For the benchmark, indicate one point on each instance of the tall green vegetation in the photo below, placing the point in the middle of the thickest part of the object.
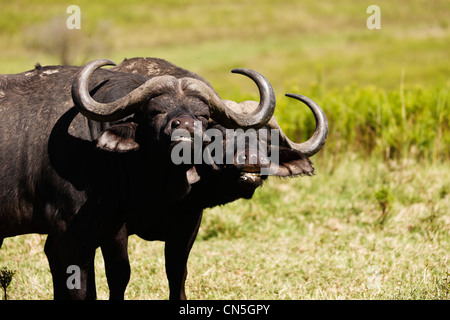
(409, 122)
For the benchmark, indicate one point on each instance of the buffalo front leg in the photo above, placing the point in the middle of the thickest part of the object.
(58, 273)
(71, 253)
(117, 264)
(177, 248)
(70, 281)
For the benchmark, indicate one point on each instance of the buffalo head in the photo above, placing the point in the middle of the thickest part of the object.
(162, 104)
(245, 166)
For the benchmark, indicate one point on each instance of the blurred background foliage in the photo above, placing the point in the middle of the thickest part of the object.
(384, 91)
(381, 194)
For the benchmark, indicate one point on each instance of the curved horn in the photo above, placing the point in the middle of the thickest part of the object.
(159, 85)
(231, 114)
(318, 139)
(262, 114)
(117, 109)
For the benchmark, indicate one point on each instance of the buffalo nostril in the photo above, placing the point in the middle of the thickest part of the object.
(175, 124)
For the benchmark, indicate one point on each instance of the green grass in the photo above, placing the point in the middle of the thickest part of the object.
(284, 40)
(373, 223)
(319, 237)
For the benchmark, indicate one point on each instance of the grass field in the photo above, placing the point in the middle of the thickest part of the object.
(320, 237)
(373, 223)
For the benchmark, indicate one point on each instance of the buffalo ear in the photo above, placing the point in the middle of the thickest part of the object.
(291, 163)
(119, 138)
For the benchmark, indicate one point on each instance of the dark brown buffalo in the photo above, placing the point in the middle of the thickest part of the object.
(216, 184)
(80, 177)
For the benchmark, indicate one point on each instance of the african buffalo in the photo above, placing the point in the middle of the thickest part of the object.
(82, 178)
(217, 183)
